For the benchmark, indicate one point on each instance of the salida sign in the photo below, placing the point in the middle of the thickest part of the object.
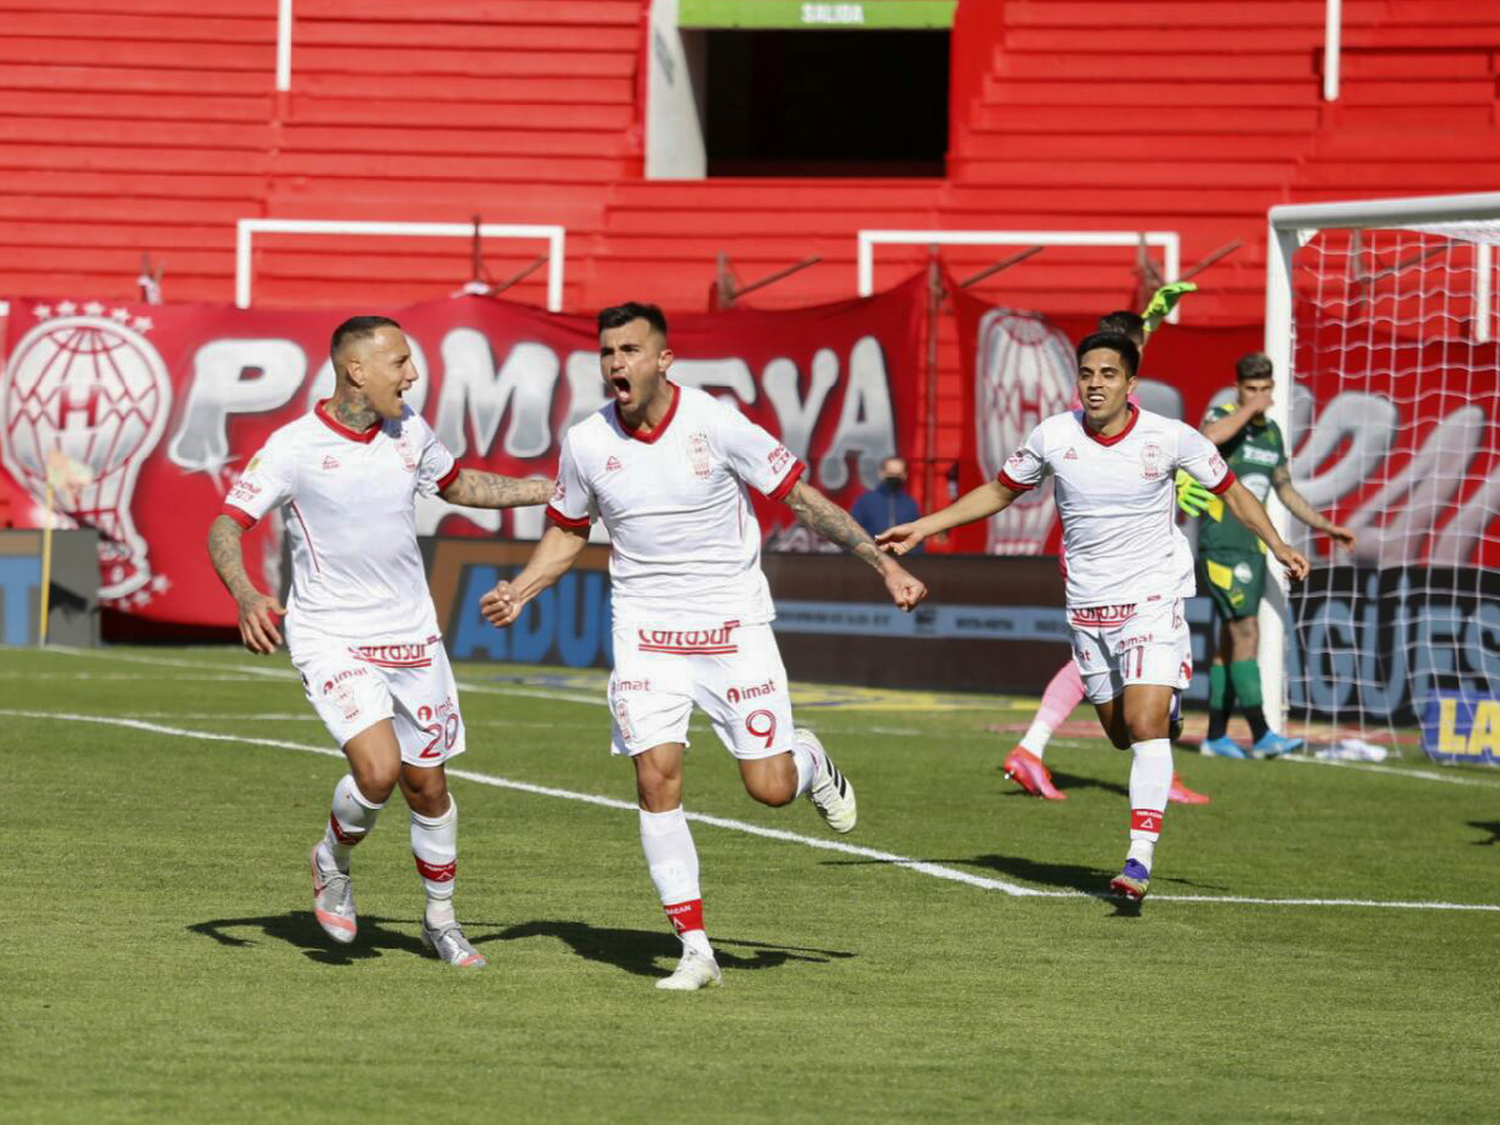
(162, 405)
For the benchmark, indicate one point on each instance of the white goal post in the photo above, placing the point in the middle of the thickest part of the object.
(244, 263)
(1470, 219)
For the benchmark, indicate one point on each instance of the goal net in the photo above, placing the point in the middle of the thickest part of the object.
(1383, 313)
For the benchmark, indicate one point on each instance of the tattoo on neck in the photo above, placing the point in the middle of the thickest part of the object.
(355, 413)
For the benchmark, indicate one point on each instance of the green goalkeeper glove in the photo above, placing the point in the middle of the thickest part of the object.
(1192, 497)
(1163, 301)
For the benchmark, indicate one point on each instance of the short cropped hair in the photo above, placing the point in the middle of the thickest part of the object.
(1124, 346)
(617, 316)
(1256, 365)
(356, 328)
(1124, 323)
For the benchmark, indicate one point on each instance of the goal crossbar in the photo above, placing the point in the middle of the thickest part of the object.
(555, 236)
(1168, 242)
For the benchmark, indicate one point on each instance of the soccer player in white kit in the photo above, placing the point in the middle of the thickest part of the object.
(1128, 566)
(360, 622)
(668, 469)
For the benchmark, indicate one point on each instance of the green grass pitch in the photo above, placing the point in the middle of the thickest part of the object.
(1303, 956)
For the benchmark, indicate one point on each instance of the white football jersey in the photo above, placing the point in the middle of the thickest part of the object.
(348, 501)
(684, 541)
(1116, 497)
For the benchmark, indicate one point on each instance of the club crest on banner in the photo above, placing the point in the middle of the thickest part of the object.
(93, 390)
(1025, 374)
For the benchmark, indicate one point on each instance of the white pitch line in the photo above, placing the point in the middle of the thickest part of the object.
(1371, 767)
(167, 662)
(936, 870)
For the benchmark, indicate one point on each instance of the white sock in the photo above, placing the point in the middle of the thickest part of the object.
(1037, 736)
(671, 855)
(672, 859)
(1150, 782)
(434, 845)
(349, 821)
(805, 758)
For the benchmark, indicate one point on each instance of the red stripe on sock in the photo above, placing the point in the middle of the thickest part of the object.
(437, 872)
(342, 834)
(685, 916)
(1145, 820)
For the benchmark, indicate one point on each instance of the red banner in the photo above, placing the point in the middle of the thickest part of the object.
(155, 408)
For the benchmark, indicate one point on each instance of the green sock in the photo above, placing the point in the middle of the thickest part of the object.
(1245, 675)
(1219, 696)
(1218, 678)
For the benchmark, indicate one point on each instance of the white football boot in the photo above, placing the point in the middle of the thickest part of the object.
(450, 945)
(693, 972)
(333, 901)
(830, 791)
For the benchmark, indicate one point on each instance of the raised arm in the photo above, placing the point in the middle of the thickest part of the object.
(981, 503)
(1221, 430)
(837, 526)
(1243, 505)
(475, 488)
(555, 554)
(257, 611)
(1297, 504)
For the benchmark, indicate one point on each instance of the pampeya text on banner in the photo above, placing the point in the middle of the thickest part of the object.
(164, 404)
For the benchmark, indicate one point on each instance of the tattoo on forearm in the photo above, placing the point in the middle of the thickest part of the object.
(474, 488)
(834, 524)
(224, 549)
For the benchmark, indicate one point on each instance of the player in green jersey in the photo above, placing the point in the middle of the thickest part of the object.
(1232, 562)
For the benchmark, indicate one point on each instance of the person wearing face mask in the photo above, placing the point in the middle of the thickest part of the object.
(888, 503)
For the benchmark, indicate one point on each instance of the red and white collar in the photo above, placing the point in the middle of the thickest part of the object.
(1135, 415)
(660, 428)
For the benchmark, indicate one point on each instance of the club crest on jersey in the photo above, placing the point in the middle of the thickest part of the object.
(1151, 461)
(403, 447)
(697, 451)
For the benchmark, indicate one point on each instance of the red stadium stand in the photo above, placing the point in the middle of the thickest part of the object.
(131, 126)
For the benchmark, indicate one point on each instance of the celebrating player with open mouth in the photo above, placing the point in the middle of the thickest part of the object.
(668, 469)
(1128, 567)
(360, 623)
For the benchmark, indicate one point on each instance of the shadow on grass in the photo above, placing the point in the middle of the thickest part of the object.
(300, 929)
(1490, 826)
(647, 953)
(640, 952)
(1066, 781)
(1091, 881)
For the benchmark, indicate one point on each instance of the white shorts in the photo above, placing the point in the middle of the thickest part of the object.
(732, 671)
(1115, 645)
(352, 687)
